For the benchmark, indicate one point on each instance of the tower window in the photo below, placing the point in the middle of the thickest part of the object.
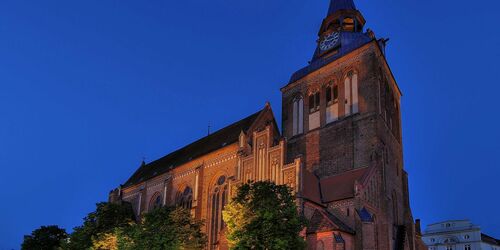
(348, 24)
(351, 94)
(298, 116)
(314, 101)
(332, 95)
(332, 103)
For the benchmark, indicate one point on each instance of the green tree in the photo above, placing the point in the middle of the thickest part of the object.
(103, 221)
(164, 229)
(44, 238)
(264, 215)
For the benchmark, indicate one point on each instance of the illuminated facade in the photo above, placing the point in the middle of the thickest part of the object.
(340, 149)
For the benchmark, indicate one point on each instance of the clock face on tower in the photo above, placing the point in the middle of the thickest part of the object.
(330, 41)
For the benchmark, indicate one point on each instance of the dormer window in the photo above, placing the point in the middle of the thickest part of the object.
(314, 101)
(348, 24)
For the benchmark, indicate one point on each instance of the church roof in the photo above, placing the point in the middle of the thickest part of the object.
(206, 145)
(336, 5)
(340, 187)
(323, 221)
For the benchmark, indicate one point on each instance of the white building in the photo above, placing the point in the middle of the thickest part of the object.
(458, 235)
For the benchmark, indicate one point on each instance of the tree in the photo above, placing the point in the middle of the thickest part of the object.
(166, 228)
(100, 223)
(264, 215)
(44, 238)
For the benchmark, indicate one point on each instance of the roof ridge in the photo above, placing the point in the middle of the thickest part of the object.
(205, 145)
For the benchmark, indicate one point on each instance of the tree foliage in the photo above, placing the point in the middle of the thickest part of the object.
(103, 221)
(166, 228)
(44, 238)
(113, 227)
(264, 215)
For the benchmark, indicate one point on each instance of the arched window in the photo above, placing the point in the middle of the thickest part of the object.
(218, 200)
(298, 116)
(314, 115)
(332, 103)
(348, 24)
(185, 199)
(351, 93)
(155, 202)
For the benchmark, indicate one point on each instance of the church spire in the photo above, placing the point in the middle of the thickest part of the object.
(342, 16)
(343, 25)
(336, 5)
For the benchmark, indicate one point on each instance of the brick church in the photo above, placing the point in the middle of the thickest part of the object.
(339, 148)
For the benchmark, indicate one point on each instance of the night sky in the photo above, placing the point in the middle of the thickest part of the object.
(89, 88)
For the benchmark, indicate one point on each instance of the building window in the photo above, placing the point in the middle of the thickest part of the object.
(298, 116)
(185, 199)
(348, 24)
(314, 115)
(314, 101)
(449, 247)
(433, 240)
(332, 103)
(466, 236)
(218, 200)
(468, 247)
(155, 202)
(332, 95)
(351, 94)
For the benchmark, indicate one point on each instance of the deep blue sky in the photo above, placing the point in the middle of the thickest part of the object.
(88, 88)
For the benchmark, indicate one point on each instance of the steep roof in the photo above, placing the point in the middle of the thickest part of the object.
(336, 5)
(323, 221)
(340, 187)
(206, 145)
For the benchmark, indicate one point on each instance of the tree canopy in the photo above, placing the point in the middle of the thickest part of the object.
(264, 215)
(45, 238)
(104, 220)
(166, 228)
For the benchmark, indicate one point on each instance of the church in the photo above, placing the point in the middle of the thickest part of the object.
(339, 148)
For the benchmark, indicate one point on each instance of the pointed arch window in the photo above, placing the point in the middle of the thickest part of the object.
(314, 102)
(351, 93)
(218, 200)
(332, 103)
(155, 202)
(185, 199)
(298, 116)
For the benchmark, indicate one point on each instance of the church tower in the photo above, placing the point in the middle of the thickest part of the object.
(341, 116)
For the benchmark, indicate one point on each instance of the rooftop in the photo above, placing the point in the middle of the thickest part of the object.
(206, 145)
